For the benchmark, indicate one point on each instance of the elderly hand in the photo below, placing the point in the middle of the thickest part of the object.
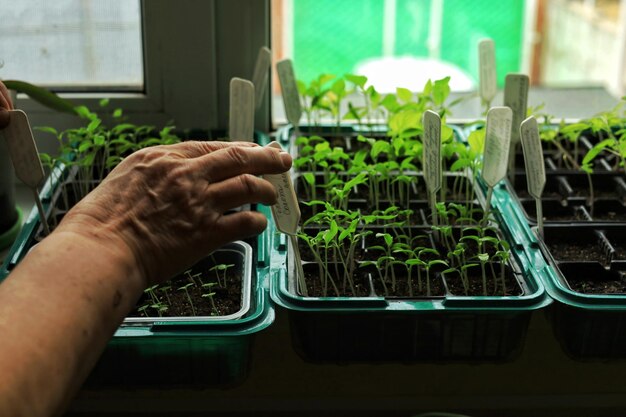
(5, 105)
(166, 204)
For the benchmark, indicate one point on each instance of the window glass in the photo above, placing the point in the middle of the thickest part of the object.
(405, 42)
(72, 44)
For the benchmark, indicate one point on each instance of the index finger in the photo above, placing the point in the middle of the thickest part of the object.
(236, 160)
(199, 148)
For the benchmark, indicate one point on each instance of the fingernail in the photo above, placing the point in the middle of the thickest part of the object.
(286, 158)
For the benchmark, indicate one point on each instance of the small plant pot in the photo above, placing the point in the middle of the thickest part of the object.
(200, 350)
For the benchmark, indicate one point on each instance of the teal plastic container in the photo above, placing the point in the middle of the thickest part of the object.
(587, 326)
(375, 329)
(205, 353)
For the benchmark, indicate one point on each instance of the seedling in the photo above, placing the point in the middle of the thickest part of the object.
(383, 171)
(90, 152)
(220, 273)
(210, 295)
(185, 288)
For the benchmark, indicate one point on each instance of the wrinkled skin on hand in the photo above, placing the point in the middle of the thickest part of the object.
(166, 204)
(5, 104)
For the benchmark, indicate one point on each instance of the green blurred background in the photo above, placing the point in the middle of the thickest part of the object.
(333, 36)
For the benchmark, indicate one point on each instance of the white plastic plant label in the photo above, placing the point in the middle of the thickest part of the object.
(261, 74)
(286, 214)
(241, 118)
(516, 98)
(23, 149)
(533, 157)
(289, 87)
(497, 144)
(431, 151)
(487, 70)
(286, 211)
(25, 157)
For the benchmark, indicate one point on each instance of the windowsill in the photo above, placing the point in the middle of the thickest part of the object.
(561, 103)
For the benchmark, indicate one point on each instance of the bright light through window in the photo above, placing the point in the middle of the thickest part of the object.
(562, 43)
(72, 44)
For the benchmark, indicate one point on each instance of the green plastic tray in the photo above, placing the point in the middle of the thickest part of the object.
(588, 326)
(452, 328)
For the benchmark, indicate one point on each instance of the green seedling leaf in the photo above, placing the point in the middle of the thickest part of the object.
(476, 141)
(47, 130)
(597, 149)
(441, 91)
(358, 80)
(42, 96)
(404, 94)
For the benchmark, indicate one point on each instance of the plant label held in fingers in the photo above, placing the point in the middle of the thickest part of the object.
(241, 119)
(286, 211)
(289, 87)
(286, 214)
(487, 70)
(25, 157)
(260, 75)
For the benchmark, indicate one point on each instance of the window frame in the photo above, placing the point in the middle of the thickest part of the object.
(210, 53)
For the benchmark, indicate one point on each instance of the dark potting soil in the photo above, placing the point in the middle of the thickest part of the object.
(586, 251)
(363, 288)
(493, 286)
(576, 217)
(227, 298)
(522, 193)
(620, 252)
(593, 286)
(416, 287)
(611, 216)
(315, 286)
